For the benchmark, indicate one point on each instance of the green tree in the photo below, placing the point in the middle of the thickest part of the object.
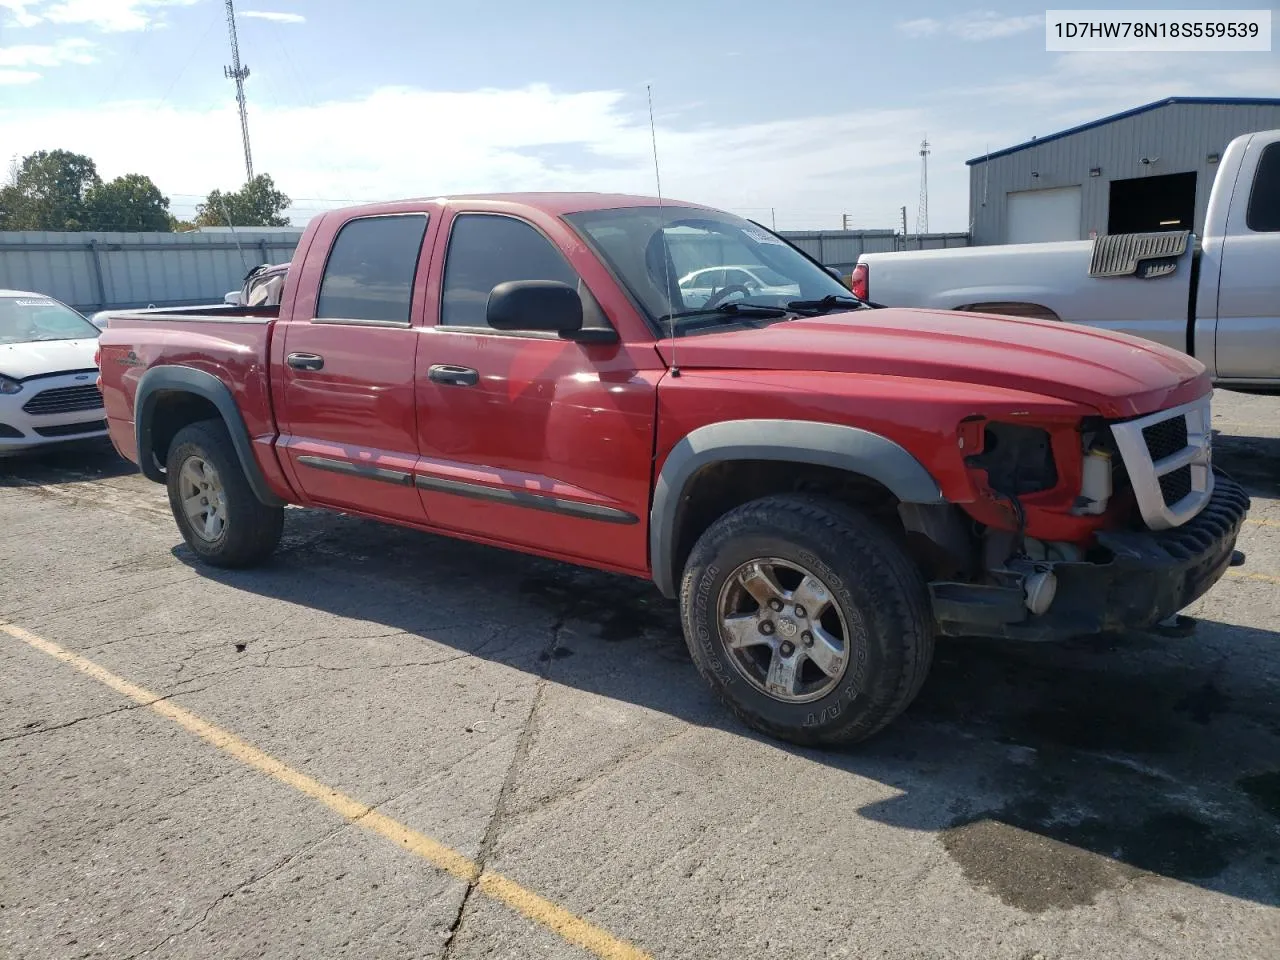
(257, 204)
(49, 192)
(130, 203)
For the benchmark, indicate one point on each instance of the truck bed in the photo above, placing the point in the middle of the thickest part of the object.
(230, 343)
(1054, 277)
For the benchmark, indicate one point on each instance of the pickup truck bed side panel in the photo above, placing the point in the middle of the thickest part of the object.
(234, 351)
(1052, 275)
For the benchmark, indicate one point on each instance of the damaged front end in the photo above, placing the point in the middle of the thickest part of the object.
(1107, 527)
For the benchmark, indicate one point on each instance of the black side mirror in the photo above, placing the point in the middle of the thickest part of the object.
(547, 305)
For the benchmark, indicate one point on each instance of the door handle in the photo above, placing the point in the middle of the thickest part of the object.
(305, 361)
(453, 376)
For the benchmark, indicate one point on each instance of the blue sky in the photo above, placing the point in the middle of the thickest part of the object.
(810, 110)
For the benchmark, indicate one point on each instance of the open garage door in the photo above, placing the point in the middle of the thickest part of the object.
(1038, 216)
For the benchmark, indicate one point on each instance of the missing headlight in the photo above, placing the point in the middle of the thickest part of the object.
(1017, 459)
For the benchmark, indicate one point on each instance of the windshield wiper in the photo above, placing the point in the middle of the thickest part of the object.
(827, 304)
(731, 309)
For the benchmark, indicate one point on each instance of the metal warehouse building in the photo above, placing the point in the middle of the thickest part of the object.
(1150, 168)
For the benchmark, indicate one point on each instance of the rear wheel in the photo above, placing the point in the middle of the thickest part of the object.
(809, 620)
(220, 517)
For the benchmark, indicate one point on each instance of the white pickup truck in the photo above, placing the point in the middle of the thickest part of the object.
(1216, 297)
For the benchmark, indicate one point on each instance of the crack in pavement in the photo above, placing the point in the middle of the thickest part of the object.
(276, 867)
(95, 716)
(524, 743)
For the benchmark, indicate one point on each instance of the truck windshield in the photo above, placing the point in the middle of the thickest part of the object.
(32, 319)
(683, 263)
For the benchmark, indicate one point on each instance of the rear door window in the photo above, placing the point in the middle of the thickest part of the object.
(1264, 199)
(371, 268)
(486, 250)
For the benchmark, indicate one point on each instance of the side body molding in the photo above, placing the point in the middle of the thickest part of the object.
(795, 441)
(180, 379)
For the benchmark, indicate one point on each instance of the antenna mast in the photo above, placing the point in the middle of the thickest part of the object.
(922, 212)
(239, 74)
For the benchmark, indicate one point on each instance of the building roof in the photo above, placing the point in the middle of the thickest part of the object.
(1219, 101)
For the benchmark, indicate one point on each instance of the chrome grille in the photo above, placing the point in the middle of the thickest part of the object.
(1167, 457)
(64, 400)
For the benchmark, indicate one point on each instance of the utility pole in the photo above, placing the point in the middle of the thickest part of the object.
(844, 221)
(922, 212)
(773, 219)
(239, 74)
(904, 224)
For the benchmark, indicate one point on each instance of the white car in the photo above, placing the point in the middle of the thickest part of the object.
(48, 380)
(755, 280)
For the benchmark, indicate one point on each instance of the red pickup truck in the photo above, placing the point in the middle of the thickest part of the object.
(672, 392)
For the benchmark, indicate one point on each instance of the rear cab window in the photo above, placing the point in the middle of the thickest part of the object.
(1263, 215)
(370, 273)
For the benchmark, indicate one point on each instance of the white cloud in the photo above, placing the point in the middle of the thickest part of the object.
(924, 27)
(975, 25)
(16, 77)
(272, 15)
(72, 50)
(110, 16)
(1083, 86)
(19, 12)
(811, 168)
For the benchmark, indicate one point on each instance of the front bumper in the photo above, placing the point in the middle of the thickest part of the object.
(51, 411)
(1151, 576)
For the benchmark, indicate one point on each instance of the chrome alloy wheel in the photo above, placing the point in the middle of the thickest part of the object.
(783, 629)
(203, 500)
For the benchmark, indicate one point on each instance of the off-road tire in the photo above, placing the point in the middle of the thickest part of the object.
(877, 587)
(252, 529)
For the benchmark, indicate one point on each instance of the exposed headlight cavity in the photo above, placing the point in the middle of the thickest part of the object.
(1017, 459)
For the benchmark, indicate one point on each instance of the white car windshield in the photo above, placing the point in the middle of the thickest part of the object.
(683, 263)
(35, 319)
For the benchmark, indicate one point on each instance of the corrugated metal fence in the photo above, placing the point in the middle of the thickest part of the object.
(102, 271)
(842, 248)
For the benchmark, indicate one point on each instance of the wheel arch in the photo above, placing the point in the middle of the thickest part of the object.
(198, 395)
(859, 453)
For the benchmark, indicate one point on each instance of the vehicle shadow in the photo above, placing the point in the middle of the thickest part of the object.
(1050, 772)
(86, 460)
(1253, 462)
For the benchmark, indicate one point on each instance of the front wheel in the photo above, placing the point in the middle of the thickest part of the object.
(809, 620)
(220, 517)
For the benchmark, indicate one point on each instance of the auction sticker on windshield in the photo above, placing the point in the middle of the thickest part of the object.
(759, 236)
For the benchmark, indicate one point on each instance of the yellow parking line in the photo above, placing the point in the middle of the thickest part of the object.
(1260, 577)
(540, 910)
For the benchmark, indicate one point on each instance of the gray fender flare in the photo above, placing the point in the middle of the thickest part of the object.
(179, 379)
(797, 441)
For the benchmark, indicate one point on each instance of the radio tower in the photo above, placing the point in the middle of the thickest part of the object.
(922, 212)
(239, 74)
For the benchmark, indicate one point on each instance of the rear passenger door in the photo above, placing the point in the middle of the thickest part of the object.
(1248, 331)
(346, 408)
(528, 439)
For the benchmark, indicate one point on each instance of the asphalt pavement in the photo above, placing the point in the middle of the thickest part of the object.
(384, 744)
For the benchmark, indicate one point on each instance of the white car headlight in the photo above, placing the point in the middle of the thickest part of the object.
(9, 385)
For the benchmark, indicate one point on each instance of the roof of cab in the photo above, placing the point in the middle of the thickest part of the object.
(556, 204)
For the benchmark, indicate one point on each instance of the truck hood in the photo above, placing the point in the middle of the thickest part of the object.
(1118, 375)
(22, 360)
